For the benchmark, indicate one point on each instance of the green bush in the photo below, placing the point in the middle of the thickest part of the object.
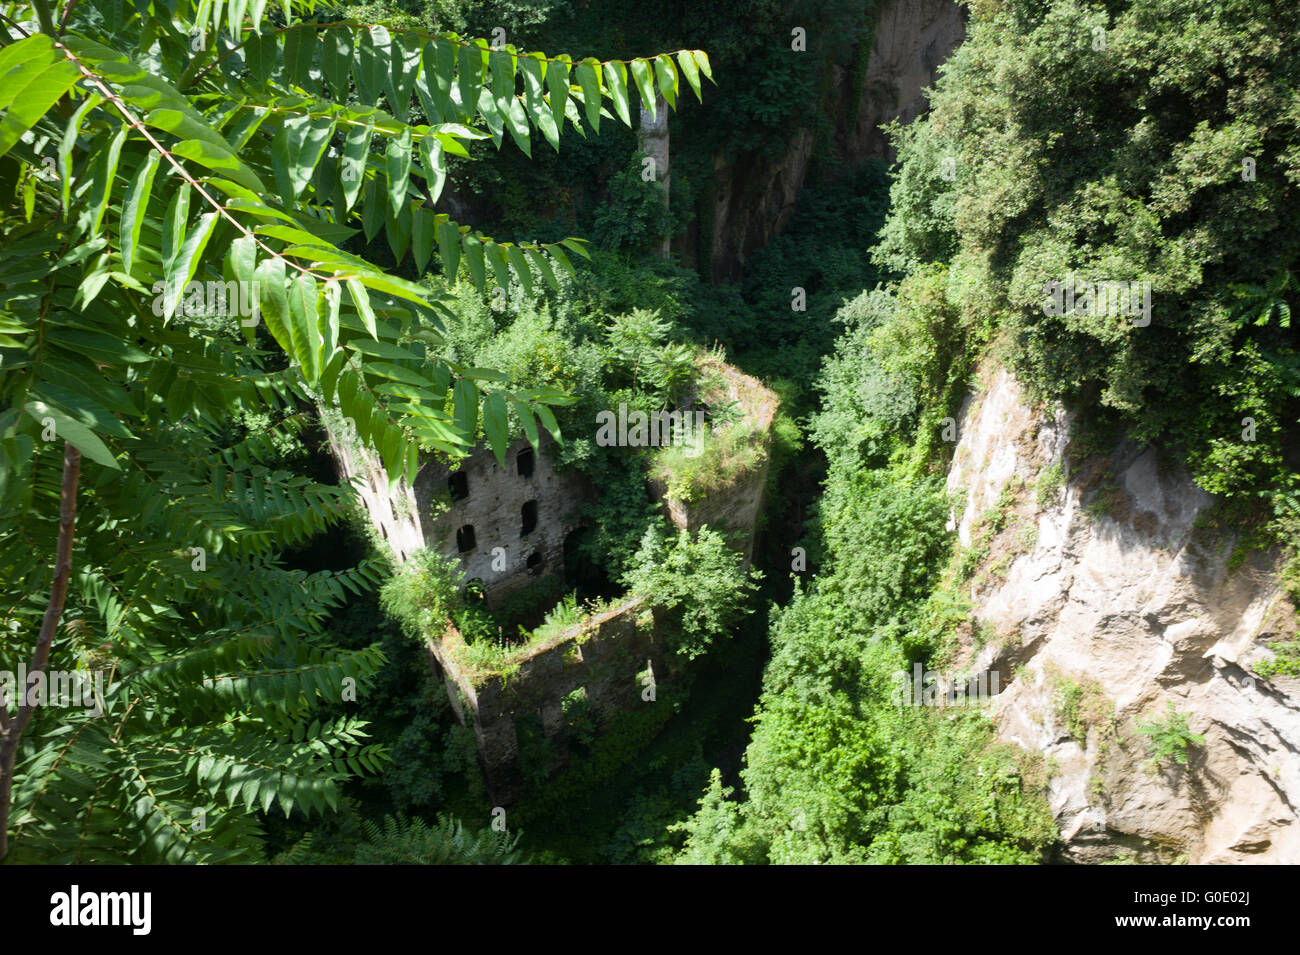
(698, 579)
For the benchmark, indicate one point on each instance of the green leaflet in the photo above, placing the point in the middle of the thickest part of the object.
(185, 126)
(557, 253)
(702, 61)
(520, 265)
(105, 175)
(500, 261)
(435, 169)
(516, 121)
(392, 285)
(574, 245)
(548, 420)
(502, 65)
(242, 258)
(616, 84)
(484, 374)
(361, 301)
(465, 407)
(353, 166)
(525, 412)
(219, 160)
(588, 74)
(492, 116)
(449, 247)
(181, 269)
(295, 151)
(372, 215)
(235, 18)
(686, 60)
(557, 86)
(68, 141)
(643, 75)
(443, 67)
(299, 49)
(666, 76)
(534, 70)
(397, 162)
(411, 470)
(405, 67)
(336, 61)
(397, 230)
(371, 64)
(273, 301)
(422, 229)
(382, 349)
(496, 425)
(292, 234)
(33, 77)
(426, 90)
(173, 233)
(18, 60)
(537, 258)
(473, 250)
(469, 77)
(328, 321)
(78, 405)
(75, 433)
(391, 454)
(304, 330)
(397, 373)
(241, 263)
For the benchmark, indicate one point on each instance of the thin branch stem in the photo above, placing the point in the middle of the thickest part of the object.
(44, 17)
(41, 656)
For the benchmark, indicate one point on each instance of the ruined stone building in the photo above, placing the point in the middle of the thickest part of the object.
(509, 526)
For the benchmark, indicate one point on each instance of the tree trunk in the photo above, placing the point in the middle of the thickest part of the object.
(11, 731)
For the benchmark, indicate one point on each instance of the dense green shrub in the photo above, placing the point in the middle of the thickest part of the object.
(698, 579)
(1148, 142)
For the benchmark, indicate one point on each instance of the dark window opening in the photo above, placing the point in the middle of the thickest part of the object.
(524, 461)
(465, 538)
(530, 518)
(458, 485)
(534, 562)
(582, 572)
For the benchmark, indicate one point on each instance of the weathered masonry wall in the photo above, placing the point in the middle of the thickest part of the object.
(394, 513)
(734, 510)
(488, 498)
(608, 657)
(491, 501)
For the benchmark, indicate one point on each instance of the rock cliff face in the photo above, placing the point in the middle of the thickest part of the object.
(1102, 598)
(753, 199)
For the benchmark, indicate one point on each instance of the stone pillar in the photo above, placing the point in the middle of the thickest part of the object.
(652, 137)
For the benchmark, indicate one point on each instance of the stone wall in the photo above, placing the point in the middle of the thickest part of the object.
(425, 516)
(733, 510)
(607, 656)
(394, 511)
(652, 139)
(493, 507)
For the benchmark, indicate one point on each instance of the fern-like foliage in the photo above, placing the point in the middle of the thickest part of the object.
(400, 841)
(210, 663)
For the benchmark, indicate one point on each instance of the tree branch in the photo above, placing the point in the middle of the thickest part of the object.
(41, 656)
(44, 17)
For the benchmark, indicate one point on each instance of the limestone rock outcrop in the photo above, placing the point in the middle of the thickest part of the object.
(1105, 596)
